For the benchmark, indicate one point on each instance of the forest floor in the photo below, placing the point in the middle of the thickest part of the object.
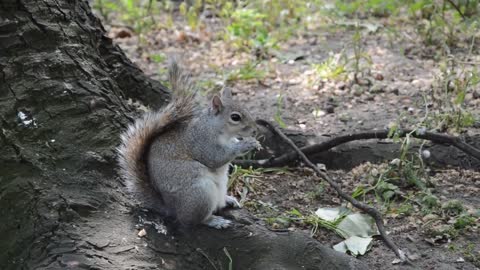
(338, 74)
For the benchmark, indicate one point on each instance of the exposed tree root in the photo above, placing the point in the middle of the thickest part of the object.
(382, 134)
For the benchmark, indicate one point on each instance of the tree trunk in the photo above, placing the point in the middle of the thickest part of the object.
(63, 101)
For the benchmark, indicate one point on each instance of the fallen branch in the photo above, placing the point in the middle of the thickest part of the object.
(382, 134)
(367, 209)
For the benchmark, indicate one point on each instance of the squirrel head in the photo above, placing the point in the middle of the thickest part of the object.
(237, 121)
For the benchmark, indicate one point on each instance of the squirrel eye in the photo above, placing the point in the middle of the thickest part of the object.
(235, 117)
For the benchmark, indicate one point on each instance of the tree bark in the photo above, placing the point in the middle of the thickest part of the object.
(63, 101)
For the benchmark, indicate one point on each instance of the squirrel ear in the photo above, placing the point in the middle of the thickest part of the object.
(216, 104)
(227, 93)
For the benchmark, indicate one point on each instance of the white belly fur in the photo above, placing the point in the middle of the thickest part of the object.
(219, 177)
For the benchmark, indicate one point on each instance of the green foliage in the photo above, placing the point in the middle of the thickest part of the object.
(386, 190)
(464, 221)
(428, 8)
(439, 23)
(137, 14)
(245, 177)
(405, 208)
(318, 192)
(452, 208)
(158, 58)
(385, 183)
(191, 13)
(449, 112)
(316, 223)
(340, 65)
(252, 25)
(424, 8)
(380, 8)
(430, 202)
(360, 59)
(445, 21)
(246, 72)
(383, 189)
(331, 68)
(471, 255)
(240, 174)
(311, 220)
(248, 29)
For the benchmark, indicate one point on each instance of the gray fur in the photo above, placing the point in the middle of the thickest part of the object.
(188, 154)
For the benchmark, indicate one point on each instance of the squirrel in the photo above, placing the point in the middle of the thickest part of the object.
(177, 158)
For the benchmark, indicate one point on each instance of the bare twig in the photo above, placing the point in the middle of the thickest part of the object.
(383, 134)
(456, 8)
(367, 209)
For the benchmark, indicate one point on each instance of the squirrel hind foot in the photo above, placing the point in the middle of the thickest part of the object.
(218, 222)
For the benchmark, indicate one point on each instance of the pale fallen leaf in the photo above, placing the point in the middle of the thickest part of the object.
(331, 214)
(357, 224)
(341, 247)
(355, 244)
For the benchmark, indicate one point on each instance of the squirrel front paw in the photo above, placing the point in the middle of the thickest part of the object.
(248, 144)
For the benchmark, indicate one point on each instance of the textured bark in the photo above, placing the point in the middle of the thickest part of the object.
(63, 101)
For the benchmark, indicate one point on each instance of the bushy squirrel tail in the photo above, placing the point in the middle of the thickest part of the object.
(136, 140)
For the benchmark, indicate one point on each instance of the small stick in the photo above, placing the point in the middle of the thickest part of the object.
(456, 8)
(367, 209)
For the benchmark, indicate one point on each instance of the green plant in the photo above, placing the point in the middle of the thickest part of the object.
(386, 191)
(244, 176)
(471, 255)
(242, 180)
(385, 184)
(191, 13)
(340, 65)
(379, 8)
(332, 68)
(158, 58)
(360, 59)
(316, 222)
(464, 221)
(210, 86)
(137, 14)
(259, 26)
(312, 220)
(248, 29)
(449, 111)
(444, 22)
(318, 192)
(452, 208)
(246, 72)
(405, 208)
(430, 202)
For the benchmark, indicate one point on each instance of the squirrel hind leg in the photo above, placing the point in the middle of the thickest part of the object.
(193, 206)
(198, 209)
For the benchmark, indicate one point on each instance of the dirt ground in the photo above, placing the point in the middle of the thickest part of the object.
(402, 74)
